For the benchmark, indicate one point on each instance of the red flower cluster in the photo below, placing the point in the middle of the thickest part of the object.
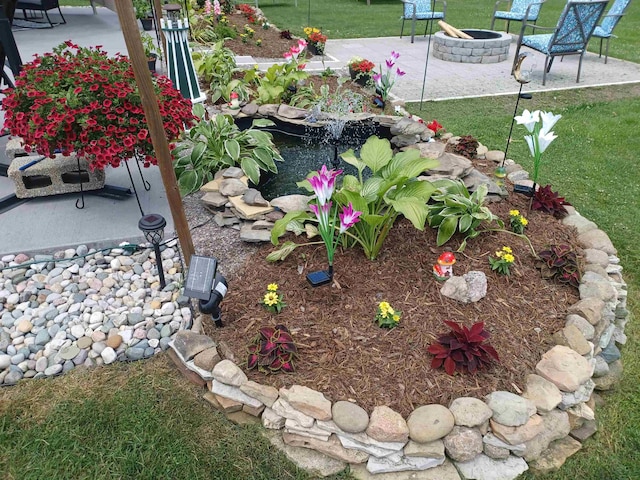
(363, 66)
(248, 11)
(80, 100)
(435, 127)
(317, 37)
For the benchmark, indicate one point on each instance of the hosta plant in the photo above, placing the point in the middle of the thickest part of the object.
(463, 349)
(467, 146)
(549, 202)
(218, 143)
(560, 262)
(272, 350)
(452, 208)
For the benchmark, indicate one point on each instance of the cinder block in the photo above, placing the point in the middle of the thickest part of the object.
(14, 148)
(53, 176)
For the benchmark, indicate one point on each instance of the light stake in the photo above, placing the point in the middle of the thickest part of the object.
(152, 226)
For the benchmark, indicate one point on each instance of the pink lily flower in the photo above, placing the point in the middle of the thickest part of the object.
(323, 183)
(348, 218)
(400, 73)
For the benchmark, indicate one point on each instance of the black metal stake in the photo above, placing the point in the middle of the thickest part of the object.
(513, 120)
(133, 185)
(156, 248)
(80, 201)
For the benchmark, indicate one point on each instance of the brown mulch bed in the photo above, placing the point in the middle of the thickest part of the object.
(344, 354)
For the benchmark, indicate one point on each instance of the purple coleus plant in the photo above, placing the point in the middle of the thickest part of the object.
(272, 350)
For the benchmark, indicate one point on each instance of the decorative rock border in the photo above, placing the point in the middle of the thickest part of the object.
(497, 437)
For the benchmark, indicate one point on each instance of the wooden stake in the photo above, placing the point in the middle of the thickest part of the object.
(453, 32)
(154, 121)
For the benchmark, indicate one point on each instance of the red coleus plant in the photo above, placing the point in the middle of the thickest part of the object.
(549, 201)
(82, 101)
(272, 350)
(561, 263)
(462, 349)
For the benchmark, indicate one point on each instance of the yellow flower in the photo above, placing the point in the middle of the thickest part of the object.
(499, 253)
(272, 287)
(507, 249)
(508, 258)
(384, 306)
(307, 30)
(396, 318)
(270, 299)
(391, 310)
(524, 222)
(514, 213)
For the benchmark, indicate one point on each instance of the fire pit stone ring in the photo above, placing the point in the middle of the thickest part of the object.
(486, 46)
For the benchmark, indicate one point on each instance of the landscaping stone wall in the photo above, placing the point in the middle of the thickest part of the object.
(496, 437)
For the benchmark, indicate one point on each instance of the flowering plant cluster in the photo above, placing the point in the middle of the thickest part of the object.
(249, 12)
(314, 35)
(294, 52)
(386, 316)
(80, 100)
(386, 79)
(518, 222)
(214, 8)
(323, 184)
(272, 300)
(361, 65)
(436, 128)
(539, 125)
(503, 262)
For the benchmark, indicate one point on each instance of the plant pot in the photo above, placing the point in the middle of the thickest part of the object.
(360, 78)
(151, 61)
(147, 24)
(315, 49)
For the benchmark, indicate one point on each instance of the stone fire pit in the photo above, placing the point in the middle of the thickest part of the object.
(487, 46)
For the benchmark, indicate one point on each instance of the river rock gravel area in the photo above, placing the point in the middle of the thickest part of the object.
(86, 307)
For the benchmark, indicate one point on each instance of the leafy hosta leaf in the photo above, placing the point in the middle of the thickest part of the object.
(414, 210)
(311, 230)
(197, 152)
(296, 227)
(349, 182)
(232, 148)
(359, 203)
(376, 153)
(407, 165)
(373, 188)
(251, 169)
(465, 223)
(283, 252)
(262, 122)
(281, 225)
(417, 189)
(189, 182)
(373, 220)
(350, 158)
(263, 156)
(446, 230)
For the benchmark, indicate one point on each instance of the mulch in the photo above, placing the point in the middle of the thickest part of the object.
(344, 354)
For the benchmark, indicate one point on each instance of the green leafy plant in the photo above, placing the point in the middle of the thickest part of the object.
(272, 85)
(217, 68)
(218, 143)
(463, 349)
(203, 30)
(560, 262)
(387, 316)
(142, 8)
(467, 146)
(150, 49)
(272, 300)
(453, 208)
(272, 350)
(504, 259)
(517, 221)
(549, 202)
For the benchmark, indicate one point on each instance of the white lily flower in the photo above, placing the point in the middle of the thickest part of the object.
(544, 139)
(532, 147)
(528, 119)
(548, 121)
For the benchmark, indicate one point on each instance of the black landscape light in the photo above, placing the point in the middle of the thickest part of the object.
(206, 285)
(152, 226)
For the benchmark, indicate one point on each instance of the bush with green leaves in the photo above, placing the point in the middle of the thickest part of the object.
(390, 191)
(274, 85)
(217, 68)
(216, 143)
(452, 208)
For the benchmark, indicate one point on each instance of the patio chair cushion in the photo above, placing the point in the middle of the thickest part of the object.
(423, 10)
(600, 33)
(502, 15)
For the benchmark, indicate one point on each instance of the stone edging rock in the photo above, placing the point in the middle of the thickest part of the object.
(499, 436)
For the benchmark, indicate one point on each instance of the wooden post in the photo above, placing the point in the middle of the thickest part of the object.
(154, 121)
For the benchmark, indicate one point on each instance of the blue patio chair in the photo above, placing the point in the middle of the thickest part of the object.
(518, 11)
(609, 22)
(569, 37)
(415, 10)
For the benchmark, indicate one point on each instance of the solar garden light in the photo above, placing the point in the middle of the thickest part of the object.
(206, 285)
(152, 226)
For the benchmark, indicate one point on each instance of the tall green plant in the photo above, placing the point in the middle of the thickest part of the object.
(453, 208)
(218, 143)
(392, 190)
(274, 84)
(216, 68)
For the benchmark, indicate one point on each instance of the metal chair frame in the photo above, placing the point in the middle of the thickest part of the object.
(433, 15)
(524, 16)
(608, 33)
(42, 6)
(561, 38)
